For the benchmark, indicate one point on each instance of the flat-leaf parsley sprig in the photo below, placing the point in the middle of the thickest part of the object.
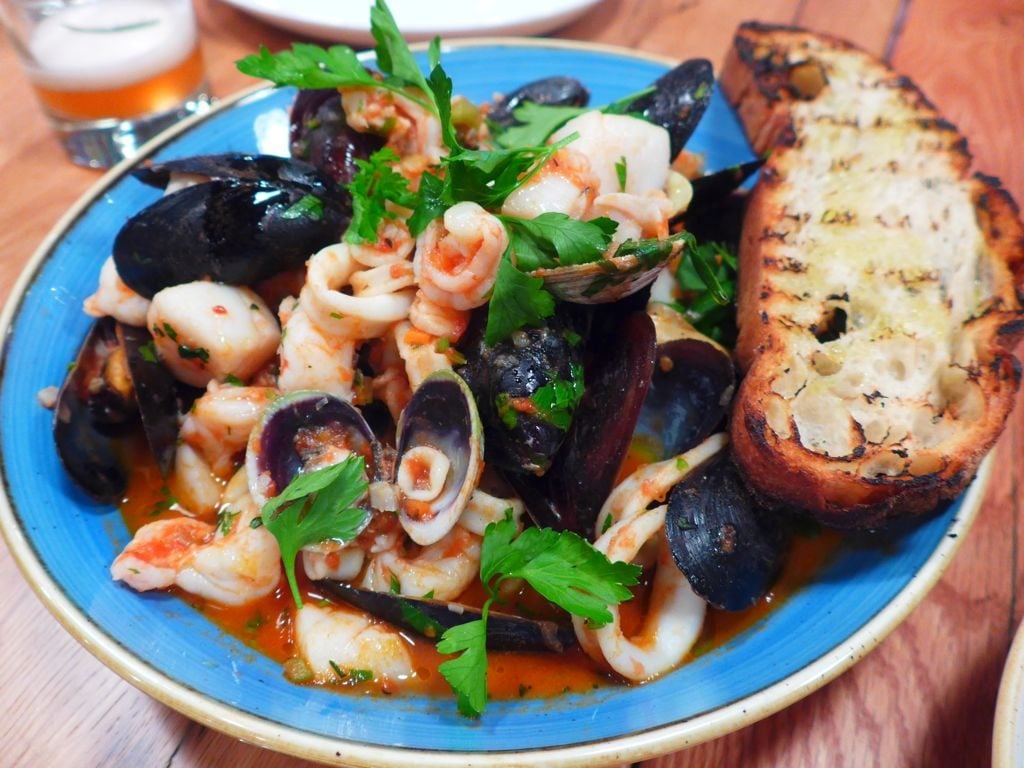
(559, 565)
(316, 506)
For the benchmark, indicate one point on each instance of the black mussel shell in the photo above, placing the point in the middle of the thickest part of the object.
(430, 618)
(678, 101)
(160, 397)
(320, 135)
(709, 190)
(236, 232)
(691, 387)
(94, 406)
(513, 372)
(618, 375)
(729, 548)
(295, 429)
(558, 91)
(267, 169)
(721, 222)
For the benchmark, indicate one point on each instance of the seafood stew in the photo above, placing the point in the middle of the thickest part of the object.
(93, 229)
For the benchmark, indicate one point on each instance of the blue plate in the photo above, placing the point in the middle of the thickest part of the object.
(65, 543)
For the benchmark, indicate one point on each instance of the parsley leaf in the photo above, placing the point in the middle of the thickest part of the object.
(467, 674)
(517, 300)
(557, 400)
(707, 277)
(559, 565)
(433, 202)
(314, 507)
(553, 239)
(375, 184)
(620, 172)
(308, 206)
(534, 123)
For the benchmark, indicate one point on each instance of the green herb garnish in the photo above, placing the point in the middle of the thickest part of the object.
(374, 185)
(307, 206)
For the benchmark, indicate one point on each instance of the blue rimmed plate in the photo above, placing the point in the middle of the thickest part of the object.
(64, 543)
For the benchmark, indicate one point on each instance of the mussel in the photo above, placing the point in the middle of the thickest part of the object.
(112, 382)
(678, 100)
(526, 388)
(252, 218)
(320, 135)
(728, 547)
(430, 618)
(556, 91)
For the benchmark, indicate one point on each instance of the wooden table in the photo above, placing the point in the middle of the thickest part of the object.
(926, 697)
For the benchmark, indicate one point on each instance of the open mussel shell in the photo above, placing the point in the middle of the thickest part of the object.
(265, 169)
(431, 618)
(678, 101)
(439, 424)
(303, 429)
(570, 494)
(709, 190)
(634, 265)
(729, 548)
(94, 406)
(320, 135)
(556, 91)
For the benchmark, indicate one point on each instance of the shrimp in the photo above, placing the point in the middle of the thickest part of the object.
(638, 216)
(219, 423)
(205, 331)
(310, 358)
(335, 638)
(410, 129)
(456, 261)
(565, 184)
(444, 568)
(438, 320)
(194, 483)
(230, 563)
(674, 617)
(116, 299)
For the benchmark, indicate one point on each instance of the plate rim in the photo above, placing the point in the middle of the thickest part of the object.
(270, 734)
(1009, 704)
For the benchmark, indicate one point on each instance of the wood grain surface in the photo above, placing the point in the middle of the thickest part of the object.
(925, 697)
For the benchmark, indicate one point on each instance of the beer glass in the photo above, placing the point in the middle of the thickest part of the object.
(109, 74)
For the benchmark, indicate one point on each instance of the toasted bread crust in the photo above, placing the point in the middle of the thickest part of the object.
(879, 297)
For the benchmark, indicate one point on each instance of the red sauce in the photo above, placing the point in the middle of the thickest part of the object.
(266, 625)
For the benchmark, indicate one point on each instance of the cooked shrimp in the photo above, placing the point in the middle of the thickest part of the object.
(229, 563)
(206, 331)
(410, 129)
(219, 423)
(637, 216)
(339, 314)
(394, 244)
(565, 184)
(613, 142)
(674, 615)
(116, 299)
(309, 358)
(444, 568)
(338, 637)
(438, 320)
(194, 483)
(457, 258)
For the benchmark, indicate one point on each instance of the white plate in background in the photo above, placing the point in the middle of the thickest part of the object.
(349, 20)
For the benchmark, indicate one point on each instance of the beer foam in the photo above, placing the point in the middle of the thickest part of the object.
(110, 44)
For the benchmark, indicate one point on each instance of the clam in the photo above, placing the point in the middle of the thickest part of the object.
(300, 431)
(440, 456)
(252, 218)
(727, 546)
(430, 618)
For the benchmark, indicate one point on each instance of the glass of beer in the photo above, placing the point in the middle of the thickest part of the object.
(109, 74)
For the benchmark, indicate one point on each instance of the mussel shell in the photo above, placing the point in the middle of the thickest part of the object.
(441, 414)
(90, 413)
(268, 169)
(320, 135)
(515, 370)
(558, 91)
(159, 396)
(430, 618)
(691, 387)
(710, 189)
(583, 473)
(728, 547)
(678, 101)
(293, 429)
(236, 232)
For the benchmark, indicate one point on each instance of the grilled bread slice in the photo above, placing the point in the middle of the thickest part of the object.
(878, 303)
